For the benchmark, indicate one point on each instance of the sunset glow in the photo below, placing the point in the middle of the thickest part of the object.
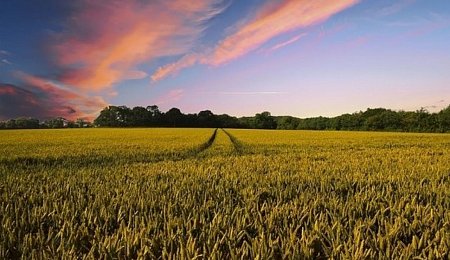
(295, 57)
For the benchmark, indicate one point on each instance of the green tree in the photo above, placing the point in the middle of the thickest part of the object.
(58, 122)
(10, 124)
(114, 116)
(26, 123)
(444, 119)
(265, 120)
(287, 122)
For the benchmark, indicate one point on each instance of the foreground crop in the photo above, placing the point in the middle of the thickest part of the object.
(178, 193)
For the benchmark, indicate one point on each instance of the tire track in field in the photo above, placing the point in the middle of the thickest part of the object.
(86, 161)
(238, 145)
(207, 144)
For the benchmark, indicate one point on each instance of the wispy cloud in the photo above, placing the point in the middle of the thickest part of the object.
(395, 7)
(173, 68)
(113, 93)
(271, 20)
(5, 61)
(135, 74)
(171, 97)
(105, 40)
(238, 93)
(288, 42)
(435, 22)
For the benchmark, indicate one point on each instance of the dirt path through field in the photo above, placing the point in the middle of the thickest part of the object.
(238, 146)
(89, 160)
(208, 143)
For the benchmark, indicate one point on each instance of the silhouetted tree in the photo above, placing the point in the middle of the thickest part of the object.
(155, 115)
(227, 121)
(174, 117)
(140, 117)
(206, 118)
(379, 119)
(264, 120)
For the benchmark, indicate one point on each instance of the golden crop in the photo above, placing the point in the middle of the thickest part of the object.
(197, 193)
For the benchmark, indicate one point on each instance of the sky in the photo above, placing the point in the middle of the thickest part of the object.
(303, 58)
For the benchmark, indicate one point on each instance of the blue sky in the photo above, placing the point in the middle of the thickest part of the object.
(291, 57)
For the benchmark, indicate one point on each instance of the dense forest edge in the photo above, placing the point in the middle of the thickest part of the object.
(377, 119)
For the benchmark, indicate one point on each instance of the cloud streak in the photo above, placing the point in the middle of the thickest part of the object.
(173, 68)
(288, 42)
(171, 97)
(239, 93)
(7, 62)
(4, 60)
(395, 7)
(105, 40)
(271, 20)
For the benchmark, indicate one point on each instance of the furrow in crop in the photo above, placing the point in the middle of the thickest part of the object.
(89, 160)
(238, 146)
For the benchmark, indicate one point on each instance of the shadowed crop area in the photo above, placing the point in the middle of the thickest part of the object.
(223, 194)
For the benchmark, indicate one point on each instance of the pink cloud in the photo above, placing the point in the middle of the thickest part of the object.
(49, 99)
(105, 40)
(288, 42)
(113, 94)
(357, 42)
(7, 90)
(102, 44)
(171, 97)
(240, 93)
(185, 62)
(136, 74)
(271, 20)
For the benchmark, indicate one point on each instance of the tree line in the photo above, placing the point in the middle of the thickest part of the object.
(33, 123)
(378, 119)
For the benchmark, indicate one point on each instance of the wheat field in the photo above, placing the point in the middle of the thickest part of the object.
(223, 194)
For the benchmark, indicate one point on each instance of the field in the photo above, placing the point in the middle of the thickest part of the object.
(206, 193)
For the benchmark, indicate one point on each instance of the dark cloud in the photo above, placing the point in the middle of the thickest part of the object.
(40, 99)
(17, 102)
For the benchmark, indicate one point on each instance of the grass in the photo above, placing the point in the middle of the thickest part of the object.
(195, 193)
